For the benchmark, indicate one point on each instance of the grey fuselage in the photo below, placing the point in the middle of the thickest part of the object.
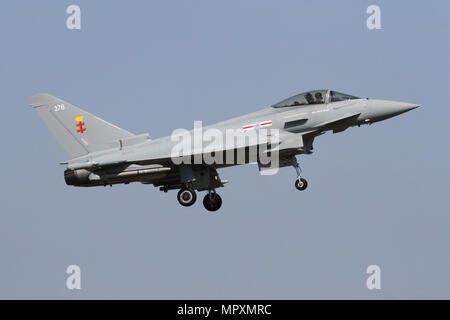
(298, 125)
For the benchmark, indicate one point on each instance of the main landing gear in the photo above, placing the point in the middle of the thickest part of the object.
(212, 201)
(187, 197)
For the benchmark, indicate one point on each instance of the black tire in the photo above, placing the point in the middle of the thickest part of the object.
(301, 185)
(212, 203)
(186, 197)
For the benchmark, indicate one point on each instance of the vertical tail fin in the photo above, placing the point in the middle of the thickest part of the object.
(76, 130)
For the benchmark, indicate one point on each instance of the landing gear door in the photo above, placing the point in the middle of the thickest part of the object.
(327, 97)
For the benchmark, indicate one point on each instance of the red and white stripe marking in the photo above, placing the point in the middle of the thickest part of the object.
(262, 124)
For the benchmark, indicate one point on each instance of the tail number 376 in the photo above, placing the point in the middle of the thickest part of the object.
(59, 107)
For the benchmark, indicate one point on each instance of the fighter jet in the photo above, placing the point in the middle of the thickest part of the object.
(102, 154)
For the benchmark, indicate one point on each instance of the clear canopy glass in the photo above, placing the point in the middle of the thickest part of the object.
(314, 97)
(337, 96)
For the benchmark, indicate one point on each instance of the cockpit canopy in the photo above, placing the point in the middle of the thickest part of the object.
(314, 97)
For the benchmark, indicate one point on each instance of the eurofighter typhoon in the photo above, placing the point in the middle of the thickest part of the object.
(102, 154)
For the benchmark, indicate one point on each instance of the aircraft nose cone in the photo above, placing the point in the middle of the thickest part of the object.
(382, 109)
(401, 107)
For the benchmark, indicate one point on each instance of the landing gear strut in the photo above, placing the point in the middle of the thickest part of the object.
(186, 196)
(212, 201)
(301, 183)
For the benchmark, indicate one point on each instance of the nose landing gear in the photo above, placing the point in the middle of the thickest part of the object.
(301, 183)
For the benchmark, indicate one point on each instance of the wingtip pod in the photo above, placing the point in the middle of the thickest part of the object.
(41, 99)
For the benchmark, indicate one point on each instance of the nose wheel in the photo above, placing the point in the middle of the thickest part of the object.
(301, 183)
(186, 197)
(212, 201)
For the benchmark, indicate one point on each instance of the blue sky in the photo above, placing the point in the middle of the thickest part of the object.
(377, 194)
